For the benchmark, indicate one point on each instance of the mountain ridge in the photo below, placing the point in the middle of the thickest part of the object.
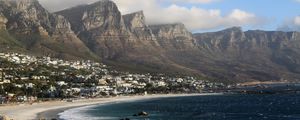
(99, 31)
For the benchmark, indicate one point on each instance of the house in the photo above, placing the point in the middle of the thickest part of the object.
(6, 81)
(118, 79)
(179, 80)
(161, 83)
(108, 77)
(21, 98)
(102, 82)
(10, 95)
(126, 85)
(24, 78)
(61, 83)
(18, 85)
(29, 85)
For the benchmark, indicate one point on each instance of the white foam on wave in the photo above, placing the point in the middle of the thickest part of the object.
(81, 114)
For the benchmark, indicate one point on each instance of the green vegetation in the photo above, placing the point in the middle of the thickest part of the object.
(9, 43)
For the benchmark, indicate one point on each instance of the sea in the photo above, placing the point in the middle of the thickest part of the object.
(205, 107)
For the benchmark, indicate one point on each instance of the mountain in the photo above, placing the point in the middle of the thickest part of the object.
(99, 31)
(39, 31)
(125, 40)
(251, 55)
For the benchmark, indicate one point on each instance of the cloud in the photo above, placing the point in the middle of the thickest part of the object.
(290, 25)
(297, 20)
(194, 18)
(162, 12)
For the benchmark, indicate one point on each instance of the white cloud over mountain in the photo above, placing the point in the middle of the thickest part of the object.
(160, 12)
(297, 20)
(194, 18)
(290, 24)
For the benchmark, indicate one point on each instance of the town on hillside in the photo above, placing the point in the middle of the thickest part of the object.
(25, 78)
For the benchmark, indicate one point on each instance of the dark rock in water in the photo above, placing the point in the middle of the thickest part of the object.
(125, 119)
(143, 114)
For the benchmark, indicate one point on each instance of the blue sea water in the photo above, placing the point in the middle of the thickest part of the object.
(209, 107)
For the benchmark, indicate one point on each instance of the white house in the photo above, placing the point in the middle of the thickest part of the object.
(61, 83)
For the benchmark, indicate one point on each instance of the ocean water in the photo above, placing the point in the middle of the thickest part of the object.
(209, 107)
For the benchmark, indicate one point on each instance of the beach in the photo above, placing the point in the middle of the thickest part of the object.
(50, 110)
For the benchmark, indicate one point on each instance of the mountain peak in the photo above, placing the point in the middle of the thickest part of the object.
(175, 27)
(135, 20)
(141, 12)
(234, 29)
(103, 3)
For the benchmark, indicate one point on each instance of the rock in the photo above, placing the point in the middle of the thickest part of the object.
(135, 20)
(140, 31)
(142, 113)
(173, 36)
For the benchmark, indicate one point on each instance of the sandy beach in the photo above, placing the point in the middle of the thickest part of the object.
(49, 110)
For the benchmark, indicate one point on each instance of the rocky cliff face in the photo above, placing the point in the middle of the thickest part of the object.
(173, 36)
(251, 55)
(140, 36)
(40, 31)
(126, 39)
(135, 20)
(136, 24)
(100, 26)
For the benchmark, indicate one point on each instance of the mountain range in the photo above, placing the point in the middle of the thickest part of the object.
(99, 31)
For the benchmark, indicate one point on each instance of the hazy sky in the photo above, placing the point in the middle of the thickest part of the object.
(207, 15)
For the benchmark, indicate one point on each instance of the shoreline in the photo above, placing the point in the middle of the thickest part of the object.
(50, 110)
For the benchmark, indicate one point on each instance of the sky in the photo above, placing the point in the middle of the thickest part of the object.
(207, 15)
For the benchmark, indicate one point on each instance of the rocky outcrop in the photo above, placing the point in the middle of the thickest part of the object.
(173, 36)
(136, 24)
(221, 40)
(135, 20)
(101, 26)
